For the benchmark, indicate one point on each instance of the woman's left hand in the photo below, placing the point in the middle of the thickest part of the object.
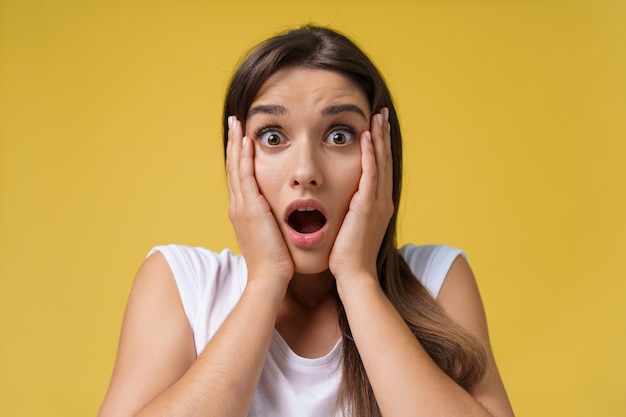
(356, 248)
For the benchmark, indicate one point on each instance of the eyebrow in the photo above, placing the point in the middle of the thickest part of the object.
(279, 110)
(341, 108)
(274, 109)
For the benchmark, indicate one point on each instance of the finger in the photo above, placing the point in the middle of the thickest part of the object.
(248, 184)
(369, 174)
(233, 151)
(229, 143)
(387, 157)
(381, 139)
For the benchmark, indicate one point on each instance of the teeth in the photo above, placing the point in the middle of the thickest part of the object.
(306, 209)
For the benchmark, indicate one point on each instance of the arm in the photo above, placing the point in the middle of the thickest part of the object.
(155, 373)
(156, 369)
(460, 300)
(408, 382)
(155, 331)
(405, 380)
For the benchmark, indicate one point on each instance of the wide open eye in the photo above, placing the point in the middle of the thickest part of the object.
(271, 138)
(340, 136)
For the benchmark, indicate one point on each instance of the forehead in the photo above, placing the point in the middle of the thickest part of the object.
(310, 85)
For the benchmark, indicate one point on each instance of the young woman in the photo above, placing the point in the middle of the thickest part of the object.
(321, 315)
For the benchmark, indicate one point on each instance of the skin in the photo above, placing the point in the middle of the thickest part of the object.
(318, 153)
(289, 286)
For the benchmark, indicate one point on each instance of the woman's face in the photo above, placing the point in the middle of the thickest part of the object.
(306, 125)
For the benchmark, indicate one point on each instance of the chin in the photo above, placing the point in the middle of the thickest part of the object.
(310, 270)
(310, 265)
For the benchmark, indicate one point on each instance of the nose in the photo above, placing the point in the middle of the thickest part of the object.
(307, 165)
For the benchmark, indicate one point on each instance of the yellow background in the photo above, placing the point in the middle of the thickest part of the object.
(514, 118)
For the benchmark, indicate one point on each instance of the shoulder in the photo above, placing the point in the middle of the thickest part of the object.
(207, 282)
(199, 266)
(431, 263)
(198, 258)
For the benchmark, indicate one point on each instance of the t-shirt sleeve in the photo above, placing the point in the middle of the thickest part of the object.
(183, 262)
(430, 264)
(209, 283)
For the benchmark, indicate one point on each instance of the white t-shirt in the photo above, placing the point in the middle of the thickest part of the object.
(211, 284)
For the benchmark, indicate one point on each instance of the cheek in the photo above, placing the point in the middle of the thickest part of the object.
(268, 174)
(348, 178)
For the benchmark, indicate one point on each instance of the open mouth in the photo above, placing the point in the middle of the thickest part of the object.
(306, 220)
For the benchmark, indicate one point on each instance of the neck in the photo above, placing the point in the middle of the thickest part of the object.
(310, 290)
(308, 317)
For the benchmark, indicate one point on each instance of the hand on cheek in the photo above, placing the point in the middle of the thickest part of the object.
(259, 237)
(358, 242)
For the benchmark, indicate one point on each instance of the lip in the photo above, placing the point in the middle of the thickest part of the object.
(305, 240)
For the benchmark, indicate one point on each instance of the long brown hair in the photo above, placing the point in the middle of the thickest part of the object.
(454, 350)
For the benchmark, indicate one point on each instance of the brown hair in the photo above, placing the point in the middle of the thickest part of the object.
(454, 350)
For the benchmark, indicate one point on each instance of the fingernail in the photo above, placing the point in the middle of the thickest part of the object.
(380, 119)
(386, 113)
(244, 141)
(368, 135)
(230, 122)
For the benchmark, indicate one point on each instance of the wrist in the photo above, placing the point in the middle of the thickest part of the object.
(272, 291)
(357, 283)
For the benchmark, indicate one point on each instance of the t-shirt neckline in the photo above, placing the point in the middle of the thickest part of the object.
(279, 344)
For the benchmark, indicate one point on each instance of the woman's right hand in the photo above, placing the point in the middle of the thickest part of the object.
(158, 371)
(259, 237)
